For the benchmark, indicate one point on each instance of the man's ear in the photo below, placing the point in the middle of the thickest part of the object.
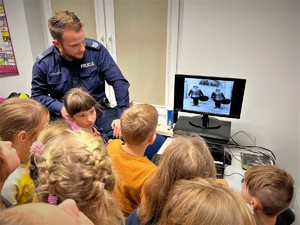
(152, 138)
(22, 136)
(56, 43)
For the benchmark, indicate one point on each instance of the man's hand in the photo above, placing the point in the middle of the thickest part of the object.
(116, 126)
(64, 113)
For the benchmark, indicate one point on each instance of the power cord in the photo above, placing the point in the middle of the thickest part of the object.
(251, 148)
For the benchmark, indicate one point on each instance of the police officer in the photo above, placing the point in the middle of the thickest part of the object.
(76, 61)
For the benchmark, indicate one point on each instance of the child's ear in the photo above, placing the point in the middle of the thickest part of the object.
(152, 138)
(69, 117)
(255, 203)
(22, 136)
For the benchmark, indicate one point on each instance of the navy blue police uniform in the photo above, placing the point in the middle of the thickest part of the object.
(53, 76)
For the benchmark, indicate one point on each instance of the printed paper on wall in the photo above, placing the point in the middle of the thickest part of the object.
(8, 65)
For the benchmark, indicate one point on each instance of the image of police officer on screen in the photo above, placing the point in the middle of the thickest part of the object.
(218, 97)
(195, 93)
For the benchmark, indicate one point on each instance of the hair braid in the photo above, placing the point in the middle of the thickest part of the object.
(75, 165)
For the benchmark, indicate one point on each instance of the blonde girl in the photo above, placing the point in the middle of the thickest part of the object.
(21, 120)
(75, 165)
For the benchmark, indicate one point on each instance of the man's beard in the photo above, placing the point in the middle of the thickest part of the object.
(70, 57)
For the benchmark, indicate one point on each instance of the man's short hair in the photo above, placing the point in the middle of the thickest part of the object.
(272, 186)
(138, 123)
(61, 21)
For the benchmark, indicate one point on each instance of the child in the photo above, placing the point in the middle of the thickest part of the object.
(75, 164)
(20, 122)
(44, 214)
(138, 127)
(269, 190)
(204, 201)
(81, 108)
(9, 161)
(187, 157)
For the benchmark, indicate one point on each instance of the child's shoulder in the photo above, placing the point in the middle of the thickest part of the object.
(114, 145)
(114, 142)
(18, 188)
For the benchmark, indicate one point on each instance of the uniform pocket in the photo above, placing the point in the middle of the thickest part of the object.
(56, 78)
(91, 80)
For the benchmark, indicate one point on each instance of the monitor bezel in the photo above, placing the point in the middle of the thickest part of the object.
(236, 104)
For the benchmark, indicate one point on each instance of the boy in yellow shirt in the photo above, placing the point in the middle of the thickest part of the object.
(138, 127)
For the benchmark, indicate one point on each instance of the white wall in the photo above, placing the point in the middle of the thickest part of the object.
(296, 205)
(259, 41)
(27, 42)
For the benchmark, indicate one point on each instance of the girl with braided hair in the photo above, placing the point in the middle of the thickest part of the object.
(75, 165)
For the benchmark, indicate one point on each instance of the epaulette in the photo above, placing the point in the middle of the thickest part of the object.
(43, 54)
(90, 43)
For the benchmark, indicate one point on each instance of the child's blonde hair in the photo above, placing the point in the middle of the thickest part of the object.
(187, 157)
(204, 201)
(272, 186)
(138, 122)
(17, 114)
(77, 100)
(75, 164)
(58, 127)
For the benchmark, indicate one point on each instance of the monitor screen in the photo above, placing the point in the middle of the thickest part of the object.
(208, 96)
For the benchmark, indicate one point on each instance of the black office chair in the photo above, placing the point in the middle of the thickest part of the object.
(153, 149)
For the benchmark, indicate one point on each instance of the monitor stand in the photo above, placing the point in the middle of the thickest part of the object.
(221, 134)
(205, 122)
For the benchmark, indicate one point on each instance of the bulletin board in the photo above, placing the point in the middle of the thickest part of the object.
(8, 65)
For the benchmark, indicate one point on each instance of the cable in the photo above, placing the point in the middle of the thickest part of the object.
(234, 173)
(232, 155)
(235, 144)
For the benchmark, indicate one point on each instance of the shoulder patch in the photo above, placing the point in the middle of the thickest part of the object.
(43, 54)
(92, 43)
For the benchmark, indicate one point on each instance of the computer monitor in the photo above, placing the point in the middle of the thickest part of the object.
(209, 96)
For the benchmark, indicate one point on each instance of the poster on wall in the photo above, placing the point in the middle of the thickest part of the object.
(8, 64)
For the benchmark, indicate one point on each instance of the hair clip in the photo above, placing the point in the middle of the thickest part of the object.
(37, 147)
(103, 185)
(52, 199)
(73, 125)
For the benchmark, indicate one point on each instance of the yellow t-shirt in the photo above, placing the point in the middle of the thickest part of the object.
(18, 187)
